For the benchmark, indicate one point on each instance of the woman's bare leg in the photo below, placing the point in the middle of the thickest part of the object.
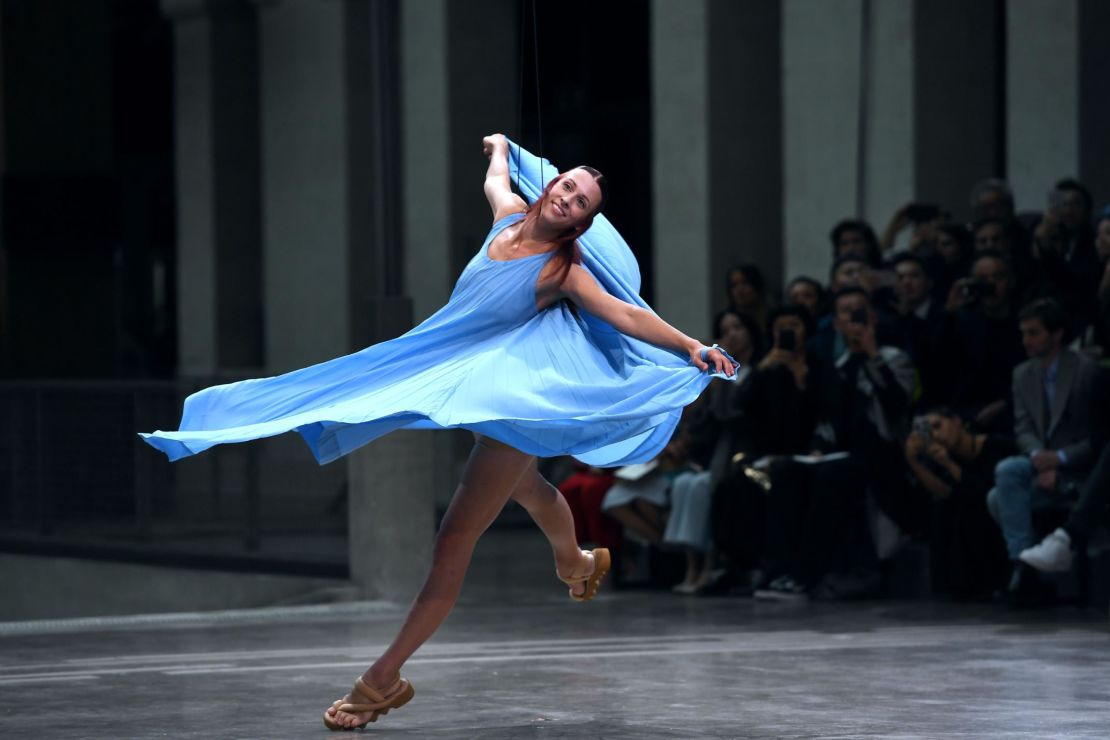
(549, 510)
(491, 475)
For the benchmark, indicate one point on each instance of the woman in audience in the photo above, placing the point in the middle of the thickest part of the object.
(956, 469)
(747, 292)
(720, 427)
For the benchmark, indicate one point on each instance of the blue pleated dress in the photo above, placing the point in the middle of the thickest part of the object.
(551, 382)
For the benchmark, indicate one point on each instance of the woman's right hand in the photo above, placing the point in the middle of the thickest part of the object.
(492, 143)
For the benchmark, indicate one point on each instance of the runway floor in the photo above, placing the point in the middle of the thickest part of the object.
(518, 659)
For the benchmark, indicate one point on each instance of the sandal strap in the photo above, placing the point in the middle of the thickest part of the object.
(375, 698)
(574, 580)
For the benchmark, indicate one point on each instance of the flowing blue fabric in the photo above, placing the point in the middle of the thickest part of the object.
(549, 382)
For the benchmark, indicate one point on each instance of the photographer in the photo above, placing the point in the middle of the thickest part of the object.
(956, 469)
(815, 522)
(983, 342)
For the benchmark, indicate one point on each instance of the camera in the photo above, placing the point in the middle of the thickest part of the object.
(787, 340)
(859, 316)
(975, 290)
(922, 427)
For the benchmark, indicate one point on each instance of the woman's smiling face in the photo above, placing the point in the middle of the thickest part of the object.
(572, 200)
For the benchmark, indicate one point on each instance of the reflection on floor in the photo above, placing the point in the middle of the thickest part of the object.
(518, 659)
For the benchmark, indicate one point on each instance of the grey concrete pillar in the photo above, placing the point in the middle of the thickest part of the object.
(332, 263)
(1042, 95)
(1094, 104)
(425, 173)
(482, 65)
(680, 154)
(391, 515)
(716, 151)
(960, 134)
(219, 232)
(821, 84)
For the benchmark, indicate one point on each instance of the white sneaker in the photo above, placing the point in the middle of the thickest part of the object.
(1053, 555)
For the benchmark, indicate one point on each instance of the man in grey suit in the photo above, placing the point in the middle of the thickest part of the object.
(1053, 422)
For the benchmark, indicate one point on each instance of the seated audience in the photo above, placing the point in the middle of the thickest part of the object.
(1053, 422)
(956, 468)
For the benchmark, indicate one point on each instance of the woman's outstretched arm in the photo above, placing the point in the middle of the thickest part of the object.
(580, 287)
(499, 193)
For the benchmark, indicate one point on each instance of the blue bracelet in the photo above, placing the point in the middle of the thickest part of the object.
(705, 352)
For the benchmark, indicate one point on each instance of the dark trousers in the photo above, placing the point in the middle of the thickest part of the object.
(1094, 500)
(816, 519)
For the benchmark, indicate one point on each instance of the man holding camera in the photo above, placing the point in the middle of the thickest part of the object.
(865, 402)
(984, 343)
(1053, 422)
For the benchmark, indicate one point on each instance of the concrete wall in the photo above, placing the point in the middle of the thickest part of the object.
(38, 587)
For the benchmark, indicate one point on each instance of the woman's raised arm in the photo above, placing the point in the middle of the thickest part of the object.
(580, 287)
(499, 193)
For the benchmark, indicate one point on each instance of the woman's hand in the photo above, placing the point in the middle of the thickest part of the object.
(915, 445)
(492, 143)
(715, 360)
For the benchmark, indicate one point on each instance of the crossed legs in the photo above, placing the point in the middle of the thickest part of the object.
(494, 473)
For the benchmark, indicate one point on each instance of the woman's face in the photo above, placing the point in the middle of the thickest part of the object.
(805, 295)
(572, 200)
(948, 247)
(1102, 239)
(851, 241)
(945, 431)
(734, 337)
(740, 292)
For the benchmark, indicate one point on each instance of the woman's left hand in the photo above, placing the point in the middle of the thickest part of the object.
(714, 361)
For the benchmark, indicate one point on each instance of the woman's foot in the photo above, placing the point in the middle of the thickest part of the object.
(586, 577)
(378, 688)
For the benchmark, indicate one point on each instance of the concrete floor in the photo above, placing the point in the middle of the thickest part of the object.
(518, 660)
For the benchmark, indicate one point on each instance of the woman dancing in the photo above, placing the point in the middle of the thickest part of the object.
(528, 374)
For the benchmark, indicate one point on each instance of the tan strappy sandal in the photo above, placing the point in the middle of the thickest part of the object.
(602, 562)
(365, 698)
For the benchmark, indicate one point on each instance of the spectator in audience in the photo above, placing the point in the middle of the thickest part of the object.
(813, 527)
(983, 344)
(782, 404)
(807, 292)
(720, 428)
(1102, 317)
(920, 324)
(1054, 553)
(991, 234)
(952, 257)
(924, 218)
(855, 236)
(956, 468)
(992, 200)
(1065, 270)
(850, 271)
(1053, 423)
(747, 292)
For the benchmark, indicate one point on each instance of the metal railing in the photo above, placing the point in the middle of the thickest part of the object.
(75, 477)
